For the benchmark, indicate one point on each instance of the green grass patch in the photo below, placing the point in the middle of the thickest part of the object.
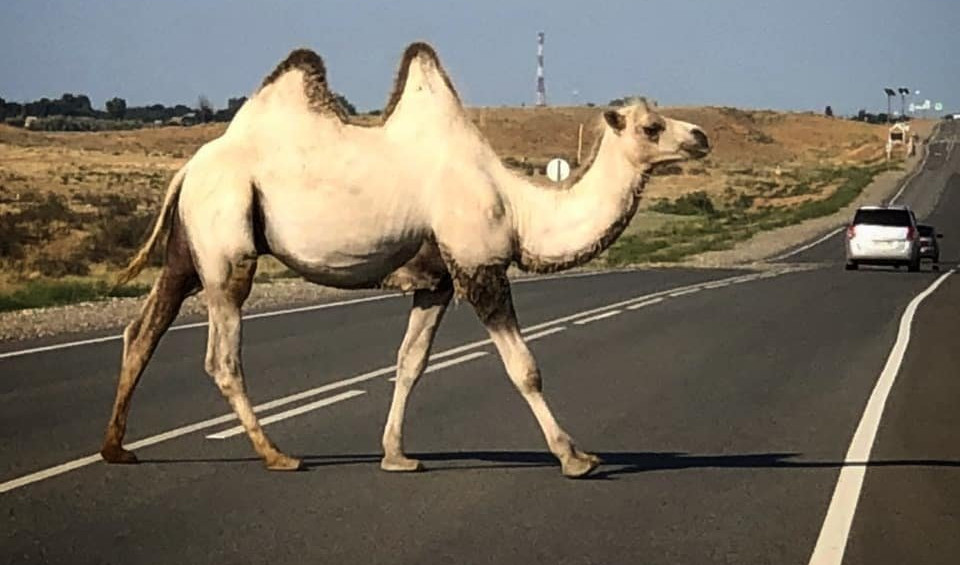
(39, 294)
(712, 228)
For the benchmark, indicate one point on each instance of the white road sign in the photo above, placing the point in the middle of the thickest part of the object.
(558, 170)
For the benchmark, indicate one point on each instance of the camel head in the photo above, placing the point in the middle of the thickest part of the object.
(649, 139)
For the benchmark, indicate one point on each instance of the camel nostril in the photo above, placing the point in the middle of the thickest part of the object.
(701, 138)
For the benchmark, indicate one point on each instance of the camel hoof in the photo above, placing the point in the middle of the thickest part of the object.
(400, 465)
(579, 464)
(283, 463)
(118, 456)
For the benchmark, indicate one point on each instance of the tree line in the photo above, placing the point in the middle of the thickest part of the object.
(77, 108)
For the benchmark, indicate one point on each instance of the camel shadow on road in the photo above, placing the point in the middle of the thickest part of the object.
(618, 463)
(614, 464)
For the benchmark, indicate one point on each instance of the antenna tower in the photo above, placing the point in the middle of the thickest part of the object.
(541, 88)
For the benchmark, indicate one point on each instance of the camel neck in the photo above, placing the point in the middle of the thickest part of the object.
(559, 229)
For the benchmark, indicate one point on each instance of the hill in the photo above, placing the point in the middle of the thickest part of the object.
(78, 204)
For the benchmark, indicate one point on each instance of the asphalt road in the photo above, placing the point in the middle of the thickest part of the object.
(723, 412)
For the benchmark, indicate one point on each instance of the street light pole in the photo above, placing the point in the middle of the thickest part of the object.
(890, 95)
(903, 99)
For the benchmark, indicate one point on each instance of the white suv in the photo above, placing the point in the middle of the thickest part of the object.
(883, 235)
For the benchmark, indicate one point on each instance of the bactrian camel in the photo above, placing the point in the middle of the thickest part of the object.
(419, 202)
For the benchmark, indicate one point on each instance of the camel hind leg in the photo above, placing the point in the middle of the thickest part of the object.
(177, 280)
(488, 290)
(223, 361)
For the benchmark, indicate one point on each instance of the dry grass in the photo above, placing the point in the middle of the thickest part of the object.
(78, 204)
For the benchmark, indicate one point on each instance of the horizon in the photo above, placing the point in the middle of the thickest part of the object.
(744, 53)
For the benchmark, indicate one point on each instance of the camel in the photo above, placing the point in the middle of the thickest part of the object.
(418, 202)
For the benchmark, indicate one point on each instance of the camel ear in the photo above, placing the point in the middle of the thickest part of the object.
(615, 120)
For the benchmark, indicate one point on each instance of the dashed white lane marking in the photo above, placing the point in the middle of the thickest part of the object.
(433, 367)
(684, 292)
(544, 333)
(832, 541)
(715, 285)
(237, 430)
(592, 319)
(645, 303)
(219, 420)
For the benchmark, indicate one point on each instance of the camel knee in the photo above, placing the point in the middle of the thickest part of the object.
(131, 332)
(228, 383)
(224, 373)
(529, 381)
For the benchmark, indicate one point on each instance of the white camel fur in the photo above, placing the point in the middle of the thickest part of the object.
(419, 202)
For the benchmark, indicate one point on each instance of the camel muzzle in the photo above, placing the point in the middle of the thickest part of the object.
(699, 147)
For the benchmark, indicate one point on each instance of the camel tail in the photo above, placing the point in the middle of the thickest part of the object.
(160, 227)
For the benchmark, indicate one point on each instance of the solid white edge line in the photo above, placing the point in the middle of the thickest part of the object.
(286, 311)
(184, 430)
(47, 473)
(913, 174)
(279, 416)
(193, 325)
(832, 541)
(598, 317)
(807, 246)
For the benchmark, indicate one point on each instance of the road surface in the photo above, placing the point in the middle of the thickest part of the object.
(723, 403)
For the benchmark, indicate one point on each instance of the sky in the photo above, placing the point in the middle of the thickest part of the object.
(778, 54)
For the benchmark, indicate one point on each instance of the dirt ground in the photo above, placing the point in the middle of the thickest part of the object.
(78, 204)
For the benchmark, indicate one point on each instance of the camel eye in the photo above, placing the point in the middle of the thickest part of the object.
(653, 132)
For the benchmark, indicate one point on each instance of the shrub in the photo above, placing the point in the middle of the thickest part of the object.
(760, 137)
(115, 238)
(694, 204)
(38, 294)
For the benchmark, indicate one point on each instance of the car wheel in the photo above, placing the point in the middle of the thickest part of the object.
(851, 266)
(914, 265)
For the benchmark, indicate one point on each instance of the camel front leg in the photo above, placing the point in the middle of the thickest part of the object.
(425, 316)
(494, 306)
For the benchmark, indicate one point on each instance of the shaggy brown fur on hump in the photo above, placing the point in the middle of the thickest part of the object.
(319, 96)
(322, 99)
(414, 50)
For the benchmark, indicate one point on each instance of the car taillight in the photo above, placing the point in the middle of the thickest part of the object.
(851, 231)
(911, 233)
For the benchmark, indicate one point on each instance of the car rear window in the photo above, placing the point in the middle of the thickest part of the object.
(925, 231)
(882, 217)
